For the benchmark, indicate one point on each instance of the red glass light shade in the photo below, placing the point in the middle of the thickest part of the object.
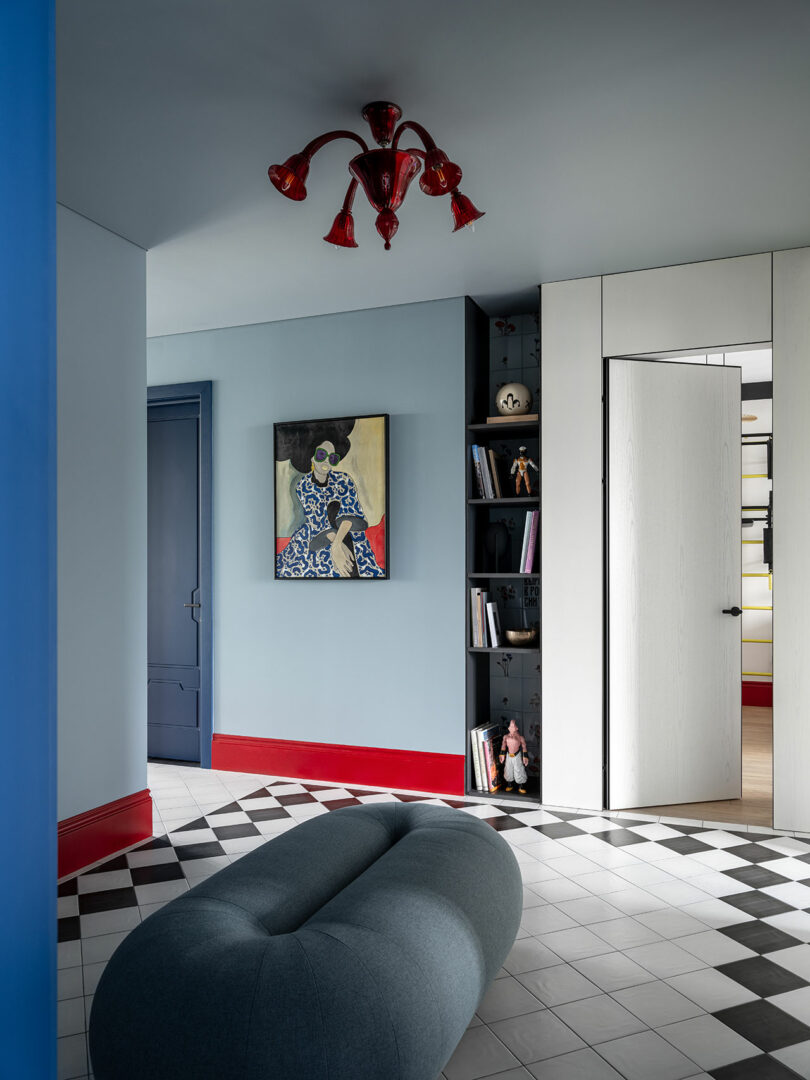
(464, 213)
(441, 175)
(382, 118)
(385, 176)
(342, 232)
(290, 178)
(387, 224)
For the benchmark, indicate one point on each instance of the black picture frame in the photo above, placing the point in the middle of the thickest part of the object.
(314, 500)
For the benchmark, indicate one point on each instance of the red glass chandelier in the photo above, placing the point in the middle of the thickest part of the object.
(385, 175)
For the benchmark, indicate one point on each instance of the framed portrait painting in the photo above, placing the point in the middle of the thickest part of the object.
(332, 498)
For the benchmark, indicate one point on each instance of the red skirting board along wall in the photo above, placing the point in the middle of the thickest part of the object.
(757, 693)
(412, 770)
(97, 833)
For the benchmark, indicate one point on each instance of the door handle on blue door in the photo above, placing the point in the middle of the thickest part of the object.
(192, 605)
(732, 611)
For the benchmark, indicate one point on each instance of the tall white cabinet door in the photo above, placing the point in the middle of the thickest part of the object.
(673, 531)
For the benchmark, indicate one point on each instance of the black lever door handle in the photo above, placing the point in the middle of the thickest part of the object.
(732, 611)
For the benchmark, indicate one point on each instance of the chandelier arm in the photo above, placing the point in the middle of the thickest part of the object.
(349, 200)
(313, 147)
(420, 131)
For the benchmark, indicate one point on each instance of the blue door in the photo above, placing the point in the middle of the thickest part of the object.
(174, 603)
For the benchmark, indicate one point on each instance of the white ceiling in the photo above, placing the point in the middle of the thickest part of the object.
(598, 136)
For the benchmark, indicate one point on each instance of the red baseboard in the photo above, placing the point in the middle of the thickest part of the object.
(97, 833)
(411, 770)
(757, 693)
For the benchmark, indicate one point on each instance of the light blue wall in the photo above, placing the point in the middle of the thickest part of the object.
(102, 515)
(27, 541)
(367, 663)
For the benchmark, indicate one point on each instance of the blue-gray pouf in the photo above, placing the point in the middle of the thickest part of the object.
(355, 946)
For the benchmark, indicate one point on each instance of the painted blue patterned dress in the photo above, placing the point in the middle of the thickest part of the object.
(308, 554)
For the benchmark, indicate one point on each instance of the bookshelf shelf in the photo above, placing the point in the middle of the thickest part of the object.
(503, 682)
(516, 500)
(483, 575)
(508, 430)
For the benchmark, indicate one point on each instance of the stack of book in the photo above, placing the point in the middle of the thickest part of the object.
(529, 541)
(485, 470)
(486, 744)
(485, 621)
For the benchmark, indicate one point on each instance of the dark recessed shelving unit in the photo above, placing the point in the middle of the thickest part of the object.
(503, 683)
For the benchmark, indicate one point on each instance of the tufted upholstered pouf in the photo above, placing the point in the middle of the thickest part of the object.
(355, 946)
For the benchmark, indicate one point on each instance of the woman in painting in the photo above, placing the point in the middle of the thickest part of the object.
(332, 540)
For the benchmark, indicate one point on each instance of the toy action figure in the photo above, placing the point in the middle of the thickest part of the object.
(521, 466)
(515, 767)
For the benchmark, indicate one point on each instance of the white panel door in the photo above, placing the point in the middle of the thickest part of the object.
(674, 553)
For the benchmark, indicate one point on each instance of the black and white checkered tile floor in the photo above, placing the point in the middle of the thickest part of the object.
(648, 949)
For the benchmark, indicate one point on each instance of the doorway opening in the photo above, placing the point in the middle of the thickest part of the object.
(179, 574)
(754, 806)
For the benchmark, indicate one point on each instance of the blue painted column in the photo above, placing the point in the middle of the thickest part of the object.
(27, 541)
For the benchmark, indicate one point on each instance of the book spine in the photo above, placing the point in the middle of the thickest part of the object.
(476, 761)
(479, 750)
(496, 480)
(488, 488)
(526, 530)
(484, 600)
(491, 758)
(494, 624)
(474, 617)
(532, 541)
(479, 482)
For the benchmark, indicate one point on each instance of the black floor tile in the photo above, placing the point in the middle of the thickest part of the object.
(758, 877)
(234, 807)
(295, 800)
(406, 798)
(118, 863)
(754, 853)
(155, 843)
(759, 936)
(320, 787)
(456, 804)
(193, 826)
(763, 1024)
(762, 977)
(68, 888)
(262, 793)
(620, 837)
(761, 1067)
(148, 875)
(68, 929)
(687, 830)
(504, 822)
(107, 900)
(338, 804)
(758, 904)
(268, 813)
(684, 845)
(206, 850)
(555, 830)
(360, 791)
(234, 832)
(565, 816)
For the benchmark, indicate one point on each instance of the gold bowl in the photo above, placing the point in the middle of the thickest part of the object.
(522, 637)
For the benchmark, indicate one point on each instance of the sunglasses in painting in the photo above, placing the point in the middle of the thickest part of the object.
(321, 455)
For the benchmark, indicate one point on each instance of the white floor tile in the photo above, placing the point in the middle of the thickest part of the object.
(536, 1036)
(671, 923)
(589, 910)
(796, 1057)
(69, 984)
(69, 954)
(160, 891)
(711, 989)
(98, 950)
(506, 998)
(545, 920)
(647, 1056)
(708, 1042)
(795, 959)
(613, 971)
(790, 893)
(625, 933)
(635, 901)
(557, 889)
(796, 1002)
(528, 954)
(580, 1065)
(480, 1053)
(664, 959)
(657, 1003)
(109, 922)
(598, 1019)
(714, 948)
(71, 1057)
(70, 1016)
(795, 923)
(558, 985)
(575, 944)
(716, 914)
(794, 869)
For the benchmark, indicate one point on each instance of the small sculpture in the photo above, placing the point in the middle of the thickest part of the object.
(516, 756)
(521, 466)
(513, 399)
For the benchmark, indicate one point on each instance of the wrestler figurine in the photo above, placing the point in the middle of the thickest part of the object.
(514, 752)
(520, 466)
